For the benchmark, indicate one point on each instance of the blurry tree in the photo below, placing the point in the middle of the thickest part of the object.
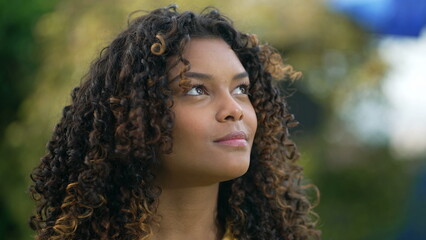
(19, 61)
(362, 186)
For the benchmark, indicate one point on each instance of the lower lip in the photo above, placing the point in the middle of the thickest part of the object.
(234, 142)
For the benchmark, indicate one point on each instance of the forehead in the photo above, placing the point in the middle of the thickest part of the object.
(201, 47)
(208, 54)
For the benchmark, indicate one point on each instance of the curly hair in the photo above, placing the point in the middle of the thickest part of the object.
(96, 180)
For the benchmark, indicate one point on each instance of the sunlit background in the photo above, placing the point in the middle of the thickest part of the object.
(361, 103)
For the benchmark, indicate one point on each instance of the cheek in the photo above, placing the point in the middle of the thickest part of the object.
(189, 123)
(251, 118)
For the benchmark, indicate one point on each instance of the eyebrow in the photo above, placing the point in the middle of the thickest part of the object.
(204, 76)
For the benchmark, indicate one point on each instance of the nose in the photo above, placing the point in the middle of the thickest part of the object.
(229, 110)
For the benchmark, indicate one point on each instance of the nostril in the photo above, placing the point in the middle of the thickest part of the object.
(235, 115)
(230, 112)
(230, 118)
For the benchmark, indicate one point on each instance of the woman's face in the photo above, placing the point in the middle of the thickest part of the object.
(215, 122)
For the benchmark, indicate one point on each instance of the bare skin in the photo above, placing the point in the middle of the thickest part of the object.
(188, 213)
(215, 124)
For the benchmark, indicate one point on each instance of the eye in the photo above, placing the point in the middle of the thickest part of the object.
(241, 89)
(197, 90)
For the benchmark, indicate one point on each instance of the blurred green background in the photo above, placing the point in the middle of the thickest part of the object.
(372, 180)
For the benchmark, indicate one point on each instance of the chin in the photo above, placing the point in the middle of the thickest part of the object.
(234, 172)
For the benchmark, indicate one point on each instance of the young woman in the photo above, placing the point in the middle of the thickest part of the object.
(177, 132)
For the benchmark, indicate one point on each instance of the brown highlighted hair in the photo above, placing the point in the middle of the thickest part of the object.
(96, 180)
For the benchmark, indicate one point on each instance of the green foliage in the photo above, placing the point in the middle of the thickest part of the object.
(356, 198)
(18, 58)
(19, 61)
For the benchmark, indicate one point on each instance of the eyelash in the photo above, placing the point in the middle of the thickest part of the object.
(201, 86)
(245, 86)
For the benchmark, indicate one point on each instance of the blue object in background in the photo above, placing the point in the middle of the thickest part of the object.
(390, 17)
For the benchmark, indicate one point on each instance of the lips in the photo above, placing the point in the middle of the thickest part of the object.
(234, 139)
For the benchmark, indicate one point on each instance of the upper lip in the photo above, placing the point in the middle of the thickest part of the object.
(233, 135)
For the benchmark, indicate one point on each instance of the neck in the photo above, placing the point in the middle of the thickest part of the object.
(188, 213)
